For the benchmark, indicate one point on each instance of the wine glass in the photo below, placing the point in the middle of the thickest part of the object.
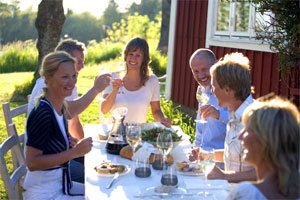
(202, 99)
(133, 135)
(206, 161)
(120, 73)
(102, 70)
(164, 144)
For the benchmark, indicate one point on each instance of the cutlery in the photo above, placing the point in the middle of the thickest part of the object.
(116, 176)
(163, 195)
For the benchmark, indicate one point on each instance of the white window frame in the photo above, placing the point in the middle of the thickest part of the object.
(231, 39)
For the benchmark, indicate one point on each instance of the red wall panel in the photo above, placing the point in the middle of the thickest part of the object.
(191, 35)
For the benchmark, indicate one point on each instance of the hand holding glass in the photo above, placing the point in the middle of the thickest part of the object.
(202, 99)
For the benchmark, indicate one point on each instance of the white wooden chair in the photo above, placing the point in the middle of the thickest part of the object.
(9, 114)
(12, 182)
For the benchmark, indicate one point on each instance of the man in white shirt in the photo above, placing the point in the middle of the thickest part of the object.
(231, 83)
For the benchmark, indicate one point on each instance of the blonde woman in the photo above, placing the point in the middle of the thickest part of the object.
(271, 144)
(49, 145)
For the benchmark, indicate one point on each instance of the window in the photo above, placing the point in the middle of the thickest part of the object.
(234, 24)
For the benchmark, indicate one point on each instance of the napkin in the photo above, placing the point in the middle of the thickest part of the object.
(144, 153)
(193, 183)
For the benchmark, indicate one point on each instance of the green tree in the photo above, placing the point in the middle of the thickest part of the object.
(147, 7)
(111, 14)
(83, 27)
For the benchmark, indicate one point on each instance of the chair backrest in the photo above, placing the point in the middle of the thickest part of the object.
(12, 182)
(9, 114)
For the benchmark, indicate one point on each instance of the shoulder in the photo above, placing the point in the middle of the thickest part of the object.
(40, 82)
(152, 79)
(40, 113)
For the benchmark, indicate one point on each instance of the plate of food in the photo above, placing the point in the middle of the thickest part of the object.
(150, 135)
(189, 169)
(107, 169)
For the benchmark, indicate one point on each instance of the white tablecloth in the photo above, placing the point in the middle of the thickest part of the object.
(128, 185)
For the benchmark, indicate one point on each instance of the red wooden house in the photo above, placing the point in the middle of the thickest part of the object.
(222, 28)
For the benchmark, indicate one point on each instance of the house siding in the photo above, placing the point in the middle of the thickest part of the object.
(191, 35)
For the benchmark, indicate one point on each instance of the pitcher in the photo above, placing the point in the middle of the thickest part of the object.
(117, 137)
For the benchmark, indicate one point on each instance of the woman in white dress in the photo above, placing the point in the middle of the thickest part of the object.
(139, 88)
(271, 144)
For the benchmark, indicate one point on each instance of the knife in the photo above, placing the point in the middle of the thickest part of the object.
(116, 176)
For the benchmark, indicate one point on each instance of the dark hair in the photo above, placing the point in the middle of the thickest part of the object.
(70, 45)
(141, 44)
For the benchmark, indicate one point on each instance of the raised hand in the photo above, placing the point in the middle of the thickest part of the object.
(209, 111)
(101, 82)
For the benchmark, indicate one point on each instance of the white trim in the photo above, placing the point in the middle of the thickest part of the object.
(171, 49)
(212, 38)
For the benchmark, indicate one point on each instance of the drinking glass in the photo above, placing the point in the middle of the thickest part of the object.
(206, 161)
(202, 98)
(120, 73)
(164, 144)
(133, 135)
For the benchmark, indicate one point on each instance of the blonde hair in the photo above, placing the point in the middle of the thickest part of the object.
(233, 71)
(50, 65)
(276, 123)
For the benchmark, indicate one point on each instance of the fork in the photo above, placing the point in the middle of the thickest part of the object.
(116, 176)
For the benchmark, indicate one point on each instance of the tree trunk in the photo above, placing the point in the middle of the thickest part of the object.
(164, 31)
(49, 22)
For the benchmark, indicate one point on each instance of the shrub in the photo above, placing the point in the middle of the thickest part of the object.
(23, 89)
(158, 63)
(99, 52)
(19, 57)
(184, 121)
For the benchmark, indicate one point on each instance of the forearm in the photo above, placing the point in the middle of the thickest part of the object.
(75, 128)
(41, 162)
(158, 115)
(236, 177)
(78, 105)
(219, 155)
(109, 102)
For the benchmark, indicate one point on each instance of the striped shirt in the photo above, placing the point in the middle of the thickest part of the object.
(43, 130)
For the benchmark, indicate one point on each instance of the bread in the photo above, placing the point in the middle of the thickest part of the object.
(126, 152)
(182, 165)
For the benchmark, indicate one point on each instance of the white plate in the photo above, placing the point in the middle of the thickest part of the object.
(126, 171)
(96, 139)
(150, 192)
(189, 173)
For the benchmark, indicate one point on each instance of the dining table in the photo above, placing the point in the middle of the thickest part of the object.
(129, 186)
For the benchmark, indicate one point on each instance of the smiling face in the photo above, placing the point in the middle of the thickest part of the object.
(79, 56)
(253, 149)
(63, 80)
(200, 68)
(134, 60)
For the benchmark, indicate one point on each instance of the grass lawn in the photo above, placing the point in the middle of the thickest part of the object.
(8, 81)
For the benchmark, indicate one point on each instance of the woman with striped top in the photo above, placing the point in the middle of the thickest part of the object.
(49, 145)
